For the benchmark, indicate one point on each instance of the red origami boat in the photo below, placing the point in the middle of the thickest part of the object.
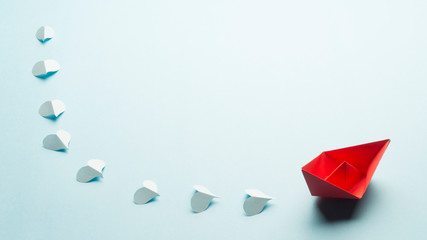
(345, 172)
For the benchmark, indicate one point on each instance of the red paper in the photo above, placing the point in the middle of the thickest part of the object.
(345, 172)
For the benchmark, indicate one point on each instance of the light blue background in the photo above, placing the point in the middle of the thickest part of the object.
(227, 94)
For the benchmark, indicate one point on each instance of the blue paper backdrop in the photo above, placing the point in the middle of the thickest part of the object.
(227, 94)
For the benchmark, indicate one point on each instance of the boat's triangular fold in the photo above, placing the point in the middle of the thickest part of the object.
(360, 156)
(319, 187)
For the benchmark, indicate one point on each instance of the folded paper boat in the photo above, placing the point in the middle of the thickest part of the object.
(345, 172)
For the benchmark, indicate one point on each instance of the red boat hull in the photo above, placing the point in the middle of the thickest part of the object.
(345, 172)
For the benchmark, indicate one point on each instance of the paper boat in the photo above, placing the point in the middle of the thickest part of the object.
(345, 172)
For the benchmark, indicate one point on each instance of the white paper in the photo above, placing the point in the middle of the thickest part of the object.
(58, 141)
(52, 108)
(146, 193)
(201, 199)
(46, 68)
(44, 33)
(93, 170)
(256, 201)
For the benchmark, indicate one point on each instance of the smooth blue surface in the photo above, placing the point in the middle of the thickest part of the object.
(227, 94)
